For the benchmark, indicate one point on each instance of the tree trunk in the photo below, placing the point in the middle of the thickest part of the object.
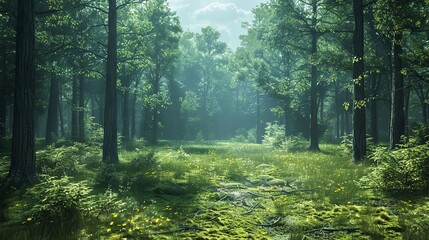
(3, 115)
(60, 111)
(259, 127)
(359, 120)
(397, 118)
(374, 109)
(75, 110)
(125, 106)
(52, 120)
(110, 144)
(23, 157)
(81, 109)
(314, 128)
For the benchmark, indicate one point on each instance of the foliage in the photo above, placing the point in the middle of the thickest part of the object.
(405, 168)
(295, 144)
(244, 136)
(108, 177)
(347, 144)
(59, 199)
(274, 135)
(62, 161)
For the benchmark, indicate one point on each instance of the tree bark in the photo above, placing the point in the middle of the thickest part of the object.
(81, 109)
(374, 109)
(397, 118)
(359, 120)
(3, 116)
(23, 157)
(53, 107)
(110, 144)
(75, 110)
(314, 128)
(125, 106)
(259, 127)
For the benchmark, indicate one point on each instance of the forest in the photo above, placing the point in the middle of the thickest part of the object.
(119, 122)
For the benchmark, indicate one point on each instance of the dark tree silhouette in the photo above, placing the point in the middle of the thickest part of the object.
(110, 144)
(359, 125)
(23, 157)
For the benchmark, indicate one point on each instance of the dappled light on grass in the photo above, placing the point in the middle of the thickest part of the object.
(221, 190)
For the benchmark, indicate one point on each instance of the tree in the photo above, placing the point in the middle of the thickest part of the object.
(359, 120)
(162, 45)
(23, 157)
(211, 50)
(110, 144)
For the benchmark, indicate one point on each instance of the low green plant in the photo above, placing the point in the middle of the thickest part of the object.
(108, 177)
(347, 144)
(404, 169)
(295, 144)
(274, 135)
(59, 200)
(62, 161)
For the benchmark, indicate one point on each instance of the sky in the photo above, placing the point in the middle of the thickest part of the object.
(225, 16)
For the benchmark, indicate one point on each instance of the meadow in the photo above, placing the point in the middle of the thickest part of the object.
(209, 190)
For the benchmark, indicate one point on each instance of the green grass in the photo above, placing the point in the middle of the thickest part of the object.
(222, 190)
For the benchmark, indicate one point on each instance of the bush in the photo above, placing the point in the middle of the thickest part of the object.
(108, 177)
(295, 144)
(241, 135)
(59, 200)
(274, 135)
(404, 169)
(347, 144)
(66, 160)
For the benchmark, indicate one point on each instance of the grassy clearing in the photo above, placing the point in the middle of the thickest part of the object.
(218, 190)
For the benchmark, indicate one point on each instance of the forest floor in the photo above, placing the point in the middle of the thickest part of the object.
(218, 190)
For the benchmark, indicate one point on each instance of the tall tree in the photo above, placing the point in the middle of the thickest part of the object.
(53, 107)
(211, 50)
(397, 117)
(359, 120)
(23, 157)
(110, 144)
(163, 42)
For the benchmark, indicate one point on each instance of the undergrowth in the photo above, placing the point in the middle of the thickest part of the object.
(219, 190)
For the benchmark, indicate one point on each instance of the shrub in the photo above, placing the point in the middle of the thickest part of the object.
(347, 144)
(274, 135)
(59, 199)
(295, 144)
(108, 177)
(241, 135)
(67, 160)
(404, 169)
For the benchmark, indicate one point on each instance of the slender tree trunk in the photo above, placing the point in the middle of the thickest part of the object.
(3, 116)
(125, 116)
(75, 110)
(397, 118)
(81, 109)
(337, 111)
(314, 125)
(314, 128)
(359, 120)
(125, 106)
(259, 127)
(374, 110)
(133, 117)
(23, 157)
(110, 144)
(53, 107)
(60, 111)
(343, 121)
(347, 122)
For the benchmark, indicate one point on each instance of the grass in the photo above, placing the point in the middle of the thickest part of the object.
(220, 190)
